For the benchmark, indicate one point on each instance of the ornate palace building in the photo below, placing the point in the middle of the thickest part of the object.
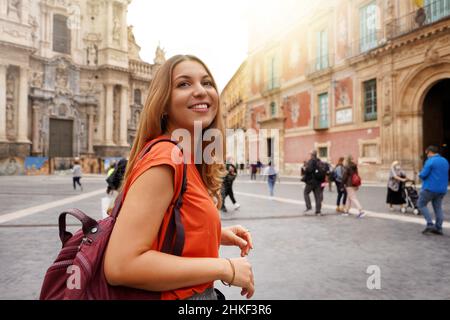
(368, 78)
(72, 83)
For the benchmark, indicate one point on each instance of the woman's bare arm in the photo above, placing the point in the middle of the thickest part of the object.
(129, 260)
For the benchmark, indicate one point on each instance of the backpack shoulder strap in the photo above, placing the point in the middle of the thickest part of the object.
(175, 229)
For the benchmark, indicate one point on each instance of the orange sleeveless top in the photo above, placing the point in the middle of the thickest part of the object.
(199, 215)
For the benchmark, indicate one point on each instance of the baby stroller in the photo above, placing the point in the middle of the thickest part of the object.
(411, 196)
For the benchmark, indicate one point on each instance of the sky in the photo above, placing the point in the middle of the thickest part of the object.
(215, 31)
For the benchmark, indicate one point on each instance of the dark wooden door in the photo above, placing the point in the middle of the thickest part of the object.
(61, 138)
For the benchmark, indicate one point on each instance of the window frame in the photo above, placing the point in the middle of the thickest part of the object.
(62, 41)
(370, 102)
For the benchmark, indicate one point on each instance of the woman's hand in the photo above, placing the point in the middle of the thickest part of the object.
(243, 276)
(237, 236)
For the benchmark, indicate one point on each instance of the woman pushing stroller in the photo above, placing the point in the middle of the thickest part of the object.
(396, 183)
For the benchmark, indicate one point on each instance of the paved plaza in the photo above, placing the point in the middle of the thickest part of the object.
(295, 256)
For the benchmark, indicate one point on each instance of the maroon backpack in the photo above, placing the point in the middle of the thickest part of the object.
(77, 273)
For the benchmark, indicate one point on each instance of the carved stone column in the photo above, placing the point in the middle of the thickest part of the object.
(109, 105)
(91, 129)
(124, 29)
(124, 105)
(22, 135)
(3, 103)
(100, 136)
(36, 149)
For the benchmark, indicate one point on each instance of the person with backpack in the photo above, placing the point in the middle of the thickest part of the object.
(227, 187)
(314, 176)
(111, 169)
(181, 95)
(337, 175)
(352, 182)
(115, 177)
(114, 181)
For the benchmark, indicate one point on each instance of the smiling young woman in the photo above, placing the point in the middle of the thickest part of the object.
(183, 93)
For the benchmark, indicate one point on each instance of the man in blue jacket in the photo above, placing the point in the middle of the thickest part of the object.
(435, 183)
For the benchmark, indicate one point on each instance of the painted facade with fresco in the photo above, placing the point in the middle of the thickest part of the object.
(363, 78)
(72, 83)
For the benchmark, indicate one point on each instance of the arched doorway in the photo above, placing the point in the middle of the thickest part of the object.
(436, 117)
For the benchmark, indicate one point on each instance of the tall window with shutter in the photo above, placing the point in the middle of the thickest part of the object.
(61, 34)
(368, 27)
(322, 50)
(370, 100)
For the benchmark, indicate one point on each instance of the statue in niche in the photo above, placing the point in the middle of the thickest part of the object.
(92, 55)
(10, 116)
(137, 115)
(14, 9)
(10, 84)
(36, 79)
(116, 30)
(34, 28)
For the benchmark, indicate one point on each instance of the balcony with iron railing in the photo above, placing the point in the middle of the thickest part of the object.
(321, 122)
(429, 14)
(271, 85)
(320, 64)
(366, 44)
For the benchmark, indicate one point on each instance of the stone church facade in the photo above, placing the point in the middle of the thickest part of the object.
(72, 83)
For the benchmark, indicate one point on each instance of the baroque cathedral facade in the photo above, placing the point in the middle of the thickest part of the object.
(72, 83)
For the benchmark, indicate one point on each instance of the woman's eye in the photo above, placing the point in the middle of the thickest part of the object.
(182, 84)
(208, 83)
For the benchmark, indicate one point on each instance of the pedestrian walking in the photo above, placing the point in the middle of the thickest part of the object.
(115, 176)
(352, 182)
(181, 95)
(227, 187)
(337, 175)
(260, 167)
(314, 176)
(77, 174)
(395, 189)
(114, 181)
(434, 188)
(271, 173)
(254, 170)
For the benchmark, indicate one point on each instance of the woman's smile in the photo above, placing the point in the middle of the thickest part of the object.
(200, 108)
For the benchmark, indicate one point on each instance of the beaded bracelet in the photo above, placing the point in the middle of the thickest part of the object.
(234, 275)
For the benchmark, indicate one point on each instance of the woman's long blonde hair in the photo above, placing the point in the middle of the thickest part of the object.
(151, 124)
